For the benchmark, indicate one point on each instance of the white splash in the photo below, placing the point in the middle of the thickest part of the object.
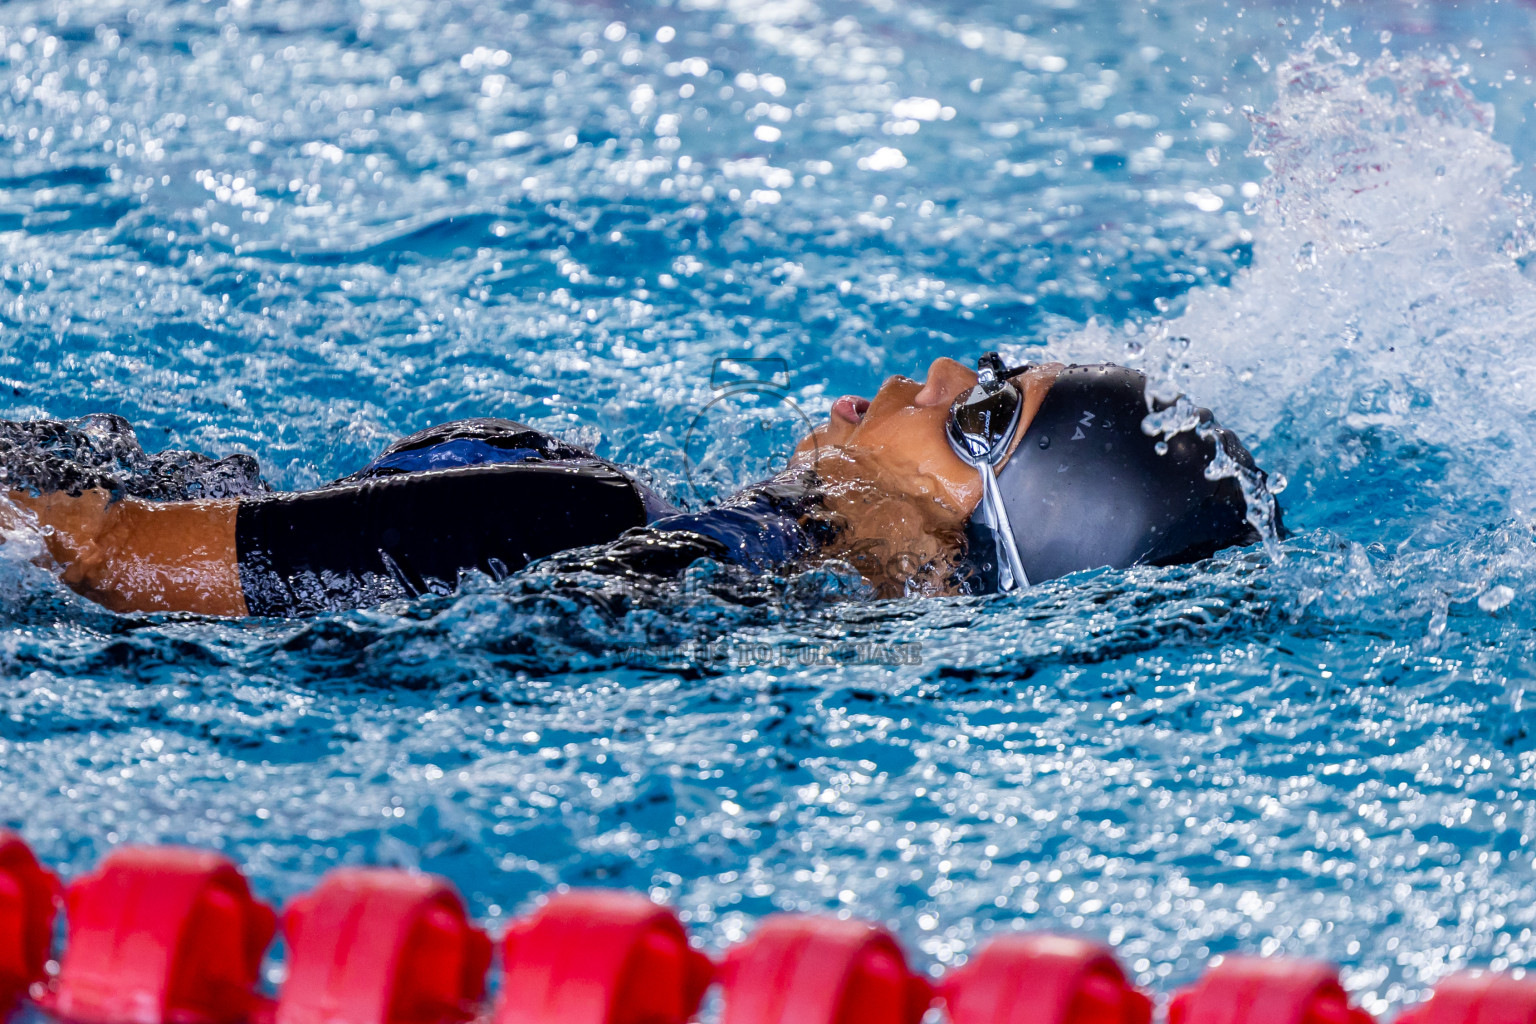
(1386, 313)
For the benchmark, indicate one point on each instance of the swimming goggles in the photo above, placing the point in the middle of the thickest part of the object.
(983, 421)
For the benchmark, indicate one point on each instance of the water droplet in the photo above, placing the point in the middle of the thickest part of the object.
(1045, 442)
(1161, 447)
(1495, 598)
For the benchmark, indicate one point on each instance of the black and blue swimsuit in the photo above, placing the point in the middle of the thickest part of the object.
(491, 495)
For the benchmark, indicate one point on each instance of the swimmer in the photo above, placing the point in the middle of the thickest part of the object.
(970, 481)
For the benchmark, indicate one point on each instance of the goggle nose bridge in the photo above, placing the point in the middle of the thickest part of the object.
(980, 445)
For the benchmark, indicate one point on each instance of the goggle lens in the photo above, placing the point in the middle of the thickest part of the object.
(982, 423)
(982, 420)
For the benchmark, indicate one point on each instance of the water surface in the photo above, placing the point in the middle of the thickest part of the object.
(300, 230)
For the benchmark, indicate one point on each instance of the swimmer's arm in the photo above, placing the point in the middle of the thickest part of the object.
(139, 556)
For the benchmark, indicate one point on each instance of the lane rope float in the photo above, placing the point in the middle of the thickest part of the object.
(169, 935)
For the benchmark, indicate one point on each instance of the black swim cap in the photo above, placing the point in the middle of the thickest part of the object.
(1087, 488)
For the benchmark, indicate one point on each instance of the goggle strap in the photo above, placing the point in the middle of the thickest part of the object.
(994, 362)
(1010, 567)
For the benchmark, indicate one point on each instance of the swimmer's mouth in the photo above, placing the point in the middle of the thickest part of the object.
(851, 408)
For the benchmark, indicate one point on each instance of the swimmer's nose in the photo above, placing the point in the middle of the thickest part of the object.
(946, 379)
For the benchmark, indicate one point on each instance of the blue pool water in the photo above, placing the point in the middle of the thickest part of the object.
(302, 229)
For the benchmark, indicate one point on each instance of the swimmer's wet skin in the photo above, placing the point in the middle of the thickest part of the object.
(881, 485)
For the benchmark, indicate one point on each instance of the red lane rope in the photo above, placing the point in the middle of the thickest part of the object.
(29, 899)
(165, 935)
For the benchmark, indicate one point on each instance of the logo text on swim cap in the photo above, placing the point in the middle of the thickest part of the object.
(1086, 421)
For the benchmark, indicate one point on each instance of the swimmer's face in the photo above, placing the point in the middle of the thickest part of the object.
(903, 429)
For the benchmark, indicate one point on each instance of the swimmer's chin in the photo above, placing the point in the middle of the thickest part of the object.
(830, 433)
